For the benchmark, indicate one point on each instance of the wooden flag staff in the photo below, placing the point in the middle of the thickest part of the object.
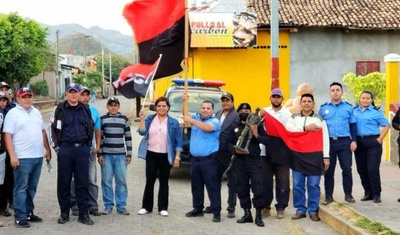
(186, 65)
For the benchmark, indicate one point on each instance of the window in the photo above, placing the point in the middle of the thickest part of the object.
(366, 67)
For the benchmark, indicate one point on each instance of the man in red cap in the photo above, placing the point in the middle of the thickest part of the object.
(25, 136)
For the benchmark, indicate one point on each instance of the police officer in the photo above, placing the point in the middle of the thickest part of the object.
(229, 118)
(249, 169)
(204, 159)
(341, 122)
(372, 127)
(72, 133)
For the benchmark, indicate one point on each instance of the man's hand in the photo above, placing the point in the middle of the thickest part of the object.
(254, 130)
(353, 146)
(128, 160)
(14, 162)
(95, 150)
(313, 127)
(100, 159)
(326, 164)
(187, 119)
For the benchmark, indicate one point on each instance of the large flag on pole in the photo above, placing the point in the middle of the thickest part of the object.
(134, 80)
(158, 27)
(306, 148)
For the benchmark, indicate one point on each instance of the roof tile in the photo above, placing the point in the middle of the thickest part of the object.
(355, 14)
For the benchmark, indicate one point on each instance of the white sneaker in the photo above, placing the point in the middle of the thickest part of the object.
(164, 213)
(143, 211)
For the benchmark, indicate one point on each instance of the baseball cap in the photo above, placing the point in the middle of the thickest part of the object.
(4, 84)
(276, 91)
(24, 91)
(227, 95)
(243, 106)
(3, 96)
(84, 88)
(73, 86)
(112, 99)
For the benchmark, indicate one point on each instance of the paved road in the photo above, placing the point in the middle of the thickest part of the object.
(179, 203)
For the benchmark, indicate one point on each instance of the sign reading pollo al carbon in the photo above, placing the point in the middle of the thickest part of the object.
(223, 29)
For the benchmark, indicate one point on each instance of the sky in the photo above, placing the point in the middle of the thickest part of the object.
(106, 14)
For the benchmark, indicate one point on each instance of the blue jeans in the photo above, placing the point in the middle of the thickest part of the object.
(26, 179)
(114, 166)
(299, 194)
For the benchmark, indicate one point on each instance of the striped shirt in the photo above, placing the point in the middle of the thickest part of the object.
(116, 135)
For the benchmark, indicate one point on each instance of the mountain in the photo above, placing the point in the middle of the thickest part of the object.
(112, 40)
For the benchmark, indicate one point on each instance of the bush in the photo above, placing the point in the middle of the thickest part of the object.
(374, 82)
(40, 88)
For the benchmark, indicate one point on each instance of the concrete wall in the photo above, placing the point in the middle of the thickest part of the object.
(50, 78)
(322, 56)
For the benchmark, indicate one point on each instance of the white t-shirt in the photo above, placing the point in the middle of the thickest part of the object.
(25, 127)
(281, 115)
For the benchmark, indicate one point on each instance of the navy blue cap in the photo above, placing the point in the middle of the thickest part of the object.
(73, 86)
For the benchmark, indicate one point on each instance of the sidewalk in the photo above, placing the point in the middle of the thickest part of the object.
(386, 213)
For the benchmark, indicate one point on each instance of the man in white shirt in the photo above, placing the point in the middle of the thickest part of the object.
(274, 166)
(25, 137)
(308, 167)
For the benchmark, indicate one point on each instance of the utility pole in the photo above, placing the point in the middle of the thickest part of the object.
(57, 76)
(84, 55)
(109, 58)
(274, 44)
(102, 68)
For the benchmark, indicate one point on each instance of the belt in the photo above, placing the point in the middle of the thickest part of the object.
(339, 138)
(77, 144)
(205, 157)
(367, 136)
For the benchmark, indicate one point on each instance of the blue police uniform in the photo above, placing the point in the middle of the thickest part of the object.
(341, 124)
(72, 132)
(204, 165)
(369, 150)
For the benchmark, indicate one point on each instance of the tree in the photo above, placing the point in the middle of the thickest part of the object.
(117, 64)
(374, 82)
(24, 50)
(91, 79)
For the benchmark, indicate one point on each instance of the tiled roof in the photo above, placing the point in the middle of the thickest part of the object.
(352, 14)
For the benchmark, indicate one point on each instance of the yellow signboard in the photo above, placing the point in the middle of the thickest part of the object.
(223, 29)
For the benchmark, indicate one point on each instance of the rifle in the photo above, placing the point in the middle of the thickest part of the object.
(231, 164)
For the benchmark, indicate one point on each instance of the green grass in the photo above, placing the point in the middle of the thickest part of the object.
(370, 226)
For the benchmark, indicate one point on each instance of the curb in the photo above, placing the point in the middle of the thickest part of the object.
(337, 222)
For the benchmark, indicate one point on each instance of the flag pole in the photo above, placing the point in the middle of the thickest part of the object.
(186, 66)
(186, 51)
(148, 88)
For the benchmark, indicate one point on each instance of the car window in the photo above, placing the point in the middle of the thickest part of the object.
(195, 99)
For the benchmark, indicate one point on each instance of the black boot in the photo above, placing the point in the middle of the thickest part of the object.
(259, 222)
(246, 218)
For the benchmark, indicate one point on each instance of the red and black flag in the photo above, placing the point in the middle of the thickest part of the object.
(158, 27)
(134, 80)
(306, 148)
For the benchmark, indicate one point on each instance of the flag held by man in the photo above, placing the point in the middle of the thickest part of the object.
(158, 27)
(134, 80)
(306, 147)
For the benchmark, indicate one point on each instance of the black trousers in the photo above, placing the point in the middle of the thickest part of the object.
(249, 175)
(156, 163)
(368, 160)
(204, 172)
(73, 161)
(225, 159)
(6, 189)
(282, 184)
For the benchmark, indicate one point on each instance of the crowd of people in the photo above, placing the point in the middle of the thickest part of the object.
(251, 155)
